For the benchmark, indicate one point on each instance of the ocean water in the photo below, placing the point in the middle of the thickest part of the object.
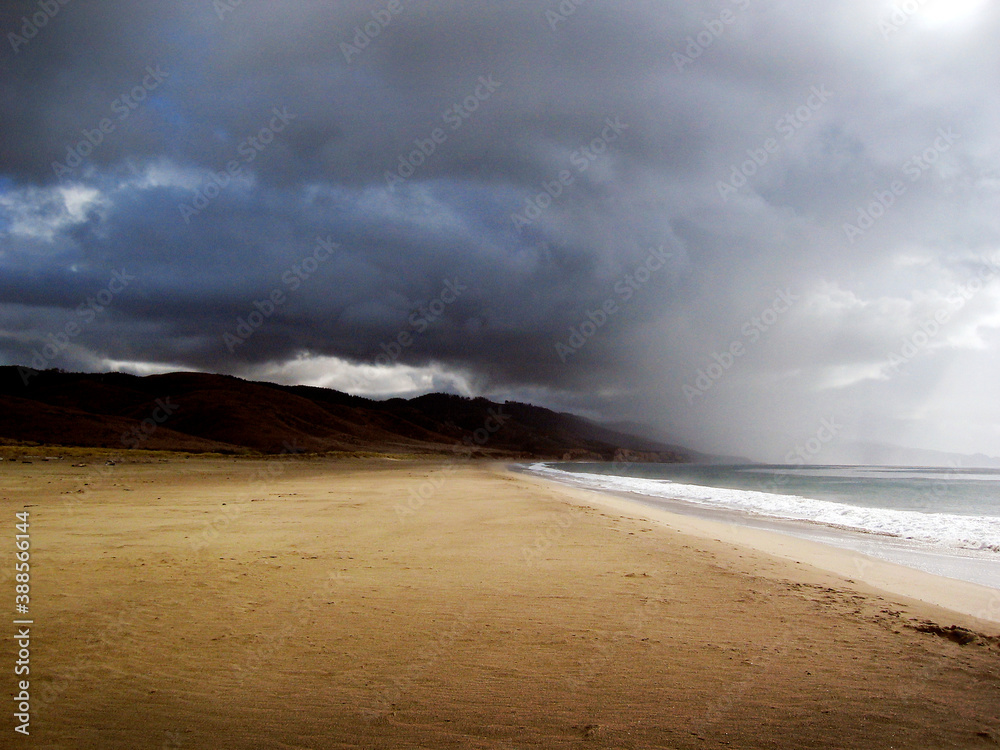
(942, 520)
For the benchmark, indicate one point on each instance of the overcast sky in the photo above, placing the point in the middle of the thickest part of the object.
(730, 220)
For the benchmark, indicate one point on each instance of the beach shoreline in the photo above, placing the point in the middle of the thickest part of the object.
(453, 604)
(777, 537)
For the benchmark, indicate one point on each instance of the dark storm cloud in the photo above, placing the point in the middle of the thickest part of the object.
(618, 190)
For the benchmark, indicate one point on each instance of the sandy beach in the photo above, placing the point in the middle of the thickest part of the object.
(292, 603)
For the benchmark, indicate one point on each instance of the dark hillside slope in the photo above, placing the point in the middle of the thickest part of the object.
(204, 412)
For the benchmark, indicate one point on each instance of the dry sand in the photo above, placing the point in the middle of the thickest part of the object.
(386, 604)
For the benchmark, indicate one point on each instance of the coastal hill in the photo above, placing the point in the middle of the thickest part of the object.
(200, 412)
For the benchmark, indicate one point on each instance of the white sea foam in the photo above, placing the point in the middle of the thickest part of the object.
(940, 529)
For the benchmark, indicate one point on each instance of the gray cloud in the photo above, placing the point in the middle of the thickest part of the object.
(538, 168)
